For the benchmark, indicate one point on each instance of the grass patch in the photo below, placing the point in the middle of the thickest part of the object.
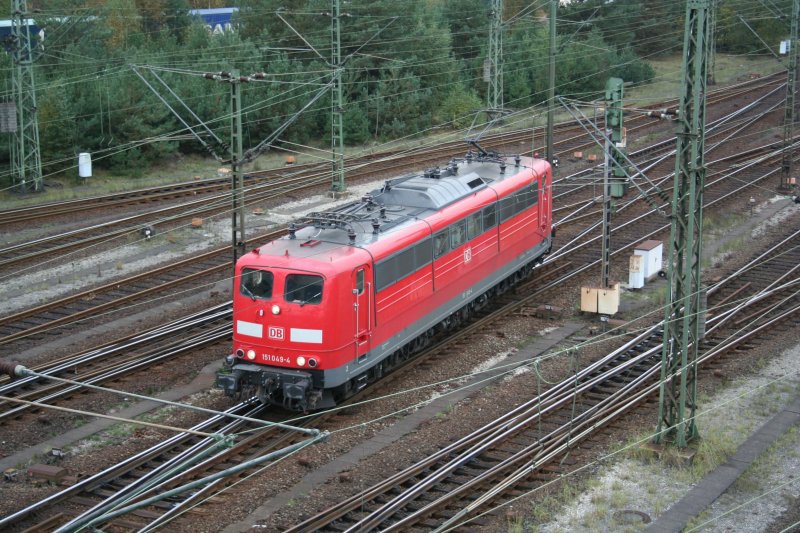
(734, 245)
(729, 69)
(713, 225)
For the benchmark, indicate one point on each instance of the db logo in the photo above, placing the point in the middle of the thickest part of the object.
(467, 255)
(275, 333)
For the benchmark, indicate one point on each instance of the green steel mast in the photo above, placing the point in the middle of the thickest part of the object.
(683, 318)
(788, 112)
(26, 160)
(337, 105)
(494, 95)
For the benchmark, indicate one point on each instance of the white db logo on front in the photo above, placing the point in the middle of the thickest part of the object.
(275, 333)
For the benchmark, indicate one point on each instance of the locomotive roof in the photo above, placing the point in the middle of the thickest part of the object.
(430, 193)
(399, 204)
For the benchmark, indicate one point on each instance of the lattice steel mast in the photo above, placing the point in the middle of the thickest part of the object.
(788, 112)
(494, 96)
(551, 87)
(337, 104)
(26, 160)
(684, 310)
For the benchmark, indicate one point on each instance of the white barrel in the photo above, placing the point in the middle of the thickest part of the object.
(85, 165)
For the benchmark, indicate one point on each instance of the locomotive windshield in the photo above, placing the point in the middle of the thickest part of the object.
(256, 284)
(303, 289)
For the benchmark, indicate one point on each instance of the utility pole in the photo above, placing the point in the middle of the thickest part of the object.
(551, 88)
(605, 259)
(788, 111)
(337, 105)
(26, 159)
(683, 318)
(494, 95)
(237, 176)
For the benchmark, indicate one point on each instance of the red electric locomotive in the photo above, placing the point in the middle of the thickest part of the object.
(351, 293)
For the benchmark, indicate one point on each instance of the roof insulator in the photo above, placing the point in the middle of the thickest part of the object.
(292, 230)
(351, 233)
(517, 160)
(383, 212)
(502, 167)
(376, 225)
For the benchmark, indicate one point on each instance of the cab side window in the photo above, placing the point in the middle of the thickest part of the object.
(360, 282)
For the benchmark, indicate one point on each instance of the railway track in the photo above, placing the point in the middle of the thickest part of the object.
(638, 240)
(134, 353)
(575, 264)
(46, 318)
(136, 361)
(523, 450)
(267, 186)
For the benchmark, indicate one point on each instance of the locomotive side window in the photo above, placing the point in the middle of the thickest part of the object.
(303, 289)
(422, 254)
(531, 195)
(489, 216)
(474, 225)
(405, 263)
(457, 234)
(507, 208)
(256, 283)
(440, 244)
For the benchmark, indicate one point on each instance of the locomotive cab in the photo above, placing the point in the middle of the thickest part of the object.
(293, 324)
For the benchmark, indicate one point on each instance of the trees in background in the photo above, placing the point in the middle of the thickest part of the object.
(422, 65)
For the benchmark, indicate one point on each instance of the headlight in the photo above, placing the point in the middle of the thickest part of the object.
(276, 310)
(301, 361)
(251, 354)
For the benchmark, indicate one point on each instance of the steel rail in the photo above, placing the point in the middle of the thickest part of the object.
(543, 450)
(95, 481)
